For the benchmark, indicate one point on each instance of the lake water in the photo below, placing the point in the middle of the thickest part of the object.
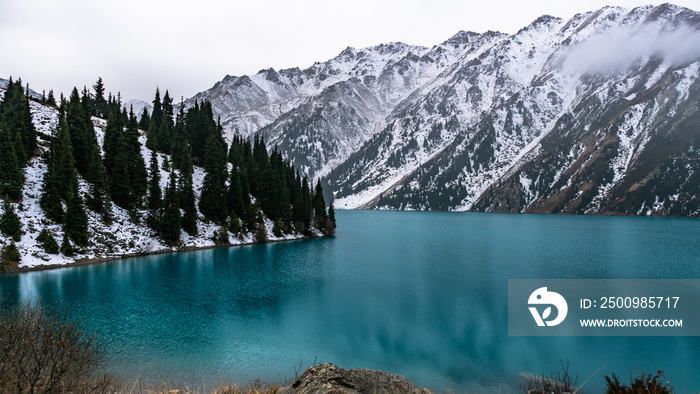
(420, 294)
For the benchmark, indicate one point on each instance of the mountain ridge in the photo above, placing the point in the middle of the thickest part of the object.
(492, 121)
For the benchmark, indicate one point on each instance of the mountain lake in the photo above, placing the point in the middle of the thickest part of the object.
(420, 294)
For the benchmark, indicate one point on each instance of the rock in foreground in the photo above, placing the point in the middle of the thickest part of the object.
(328, 378)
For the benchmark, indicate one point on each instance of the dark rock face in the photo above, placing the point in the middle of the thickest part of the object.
(328, 378)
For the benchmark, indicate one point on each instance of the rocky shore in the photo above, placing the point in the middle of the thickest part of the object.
(328, 378)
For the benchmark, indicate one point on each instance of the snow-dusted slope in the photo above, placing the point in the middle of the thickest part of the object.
(319, 116)
(121, 237)
(597, 114)
(495, 122)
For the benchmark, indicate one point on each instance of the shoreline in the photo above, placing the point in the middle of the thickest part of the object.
(97, 260)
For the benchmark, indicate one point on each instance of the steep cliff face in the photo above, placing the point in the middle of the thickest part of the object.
(597, 114)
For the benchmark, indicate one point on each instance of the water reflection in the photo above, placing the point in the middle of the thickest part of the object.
(419, 294)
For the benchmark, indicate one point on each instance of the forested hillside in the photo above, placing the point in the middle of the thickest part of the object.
(84, 178)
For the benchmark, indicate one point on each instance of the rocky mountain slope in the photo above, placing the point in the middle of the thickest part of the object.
(597, 114)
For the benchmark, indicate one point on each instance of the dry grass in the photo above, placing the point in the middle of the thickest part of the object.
(255, 387)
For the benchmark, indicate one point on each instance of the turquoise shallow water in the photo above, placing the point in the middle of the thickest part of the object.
(420, 294)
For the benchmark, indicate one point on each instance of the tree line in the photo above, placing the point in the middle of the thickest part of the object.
(242, 183)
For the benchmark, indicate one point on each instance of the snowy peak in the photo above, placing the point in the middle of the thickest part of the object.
(448, 127)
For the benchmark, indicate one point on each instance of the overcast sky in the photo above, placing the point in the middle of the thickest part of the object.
(186, 46)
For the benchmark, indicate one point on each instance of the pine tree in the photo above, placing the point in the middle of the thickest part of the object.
(154, 124)
(138, 176)
(16, 117)
(212, 203)
(66, 247)
(180, 140)
(171, 221)
(165, 129)
(113, 141)
(48, 242)
(99, 103)
(319, 205)
(186, 192)
(236, 204)
(75, 224)
(119, 184)
(331, 214)
(11, 179)
(200, 125)
(60, 174)
(116, 159)
(9, 222)
(78, 128)
(10, 253)
(145, 120)
(89, 163)
(155, 195)
(19, 151)
(51, 100)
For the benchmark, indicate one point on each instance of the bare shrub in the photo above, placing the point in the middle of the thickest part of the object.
(642, 384)
(559, 382)
(43, 351)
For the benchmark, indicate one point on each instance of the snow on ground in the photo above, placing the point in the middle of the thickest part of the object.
(123, 236)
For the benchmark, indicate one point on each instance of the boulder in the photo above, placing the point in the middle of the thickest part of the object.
(328, 378)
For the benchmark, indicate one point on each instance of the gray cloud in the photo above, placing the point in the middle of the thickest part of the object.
(619, 48)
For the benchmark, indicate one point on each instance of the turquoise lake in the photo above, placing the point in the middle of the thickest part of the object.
(420, 294)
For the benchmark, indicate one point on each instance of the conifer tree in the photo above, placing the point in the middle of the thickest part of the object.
(9, 222)
(330, 222)
(60, 174)
(145, 120)
(10, 253)
(113, 140)
(79, 112)
(51, 100)
(154, 124)
(180, 139)
(138, 176)
(119, 184)
(236, 204)
(66, 247)
(165, 129)
(75, 224)
(16, 117)
(187, 203)
(154, 203)
(319, 205)
(11, 179)
(212, 203)
(116, 159)
(200, 125)
(48, 242)
(306, 205)
(77, 122)
(99, 103)
(19, 151)
(186, 191)
(171, 221)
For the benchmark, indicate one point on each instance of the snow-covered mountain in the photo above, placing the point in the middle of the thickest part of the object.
(137, 106)
(597, 114)
(319, 116)
(4, 82)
